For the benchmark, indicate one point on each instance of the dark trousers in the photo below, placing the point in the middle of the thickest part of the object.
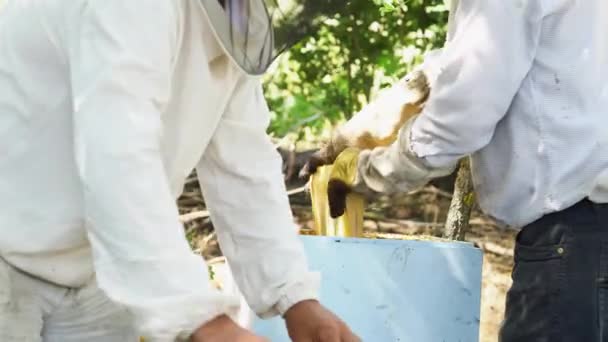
(560, 278)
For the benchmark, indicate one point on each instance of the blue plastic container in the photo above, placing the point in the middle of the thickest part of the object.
(395, 290)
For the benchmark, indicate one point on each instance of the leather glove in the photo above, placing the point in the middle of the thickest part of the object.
(342, 180)
(382, 170)
(377, 123)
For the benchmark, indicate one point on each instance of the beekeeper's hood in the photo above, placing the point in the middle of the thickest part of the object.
(254, 32)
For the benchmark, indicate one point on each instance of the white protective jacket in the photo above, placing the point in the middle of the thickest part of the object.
(106, 106)
(522, 87)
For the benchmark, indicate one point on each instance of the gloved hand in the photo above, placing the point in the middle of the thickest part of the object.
(309, 321)
(342, 179)
(377, 123)
(382, 170)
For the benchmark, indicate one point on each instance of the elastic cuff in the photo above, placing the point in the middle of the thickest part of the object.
(422, 163)
(306, 289)
(179, 326)
(297, 295)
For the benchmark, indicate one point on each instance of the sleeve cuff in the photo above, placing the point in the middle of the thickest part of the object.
(168, 297)
(395, 168)
(297, 294)
(307, 289)
(172, 326)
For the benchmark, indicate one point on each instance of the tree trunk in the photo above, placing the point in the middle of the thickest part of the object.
(457, 222)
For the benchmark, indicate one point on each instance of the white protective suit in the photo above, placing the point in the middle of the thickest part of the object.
(106, 106)
(522, 87)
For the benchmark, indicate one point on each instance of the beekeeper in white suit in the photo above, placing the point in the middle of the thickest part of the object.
(521, 86)
(105, 107)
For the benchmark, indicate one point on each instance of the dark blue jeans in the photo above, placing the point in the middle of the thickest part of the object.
(560, 278)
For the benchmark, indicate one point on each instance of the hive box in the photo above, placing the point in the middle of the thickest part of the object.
(391, 290)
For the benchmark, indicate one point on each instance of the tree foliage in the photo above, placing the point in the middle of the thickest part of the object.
(332, 74)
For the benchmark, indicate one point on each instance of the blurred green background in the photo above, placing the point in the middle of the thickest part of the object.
(327, 77)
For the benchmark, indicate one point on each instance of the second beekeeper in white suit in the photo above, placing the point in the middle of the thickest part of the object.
(106, 106)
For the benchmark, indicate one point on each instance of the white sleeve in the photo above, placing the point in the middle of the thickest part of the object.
(491, 48)
(242, 182)
(121, 56)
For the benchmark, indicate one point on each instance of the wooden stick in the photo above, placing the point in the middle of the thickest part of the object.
(193, 216)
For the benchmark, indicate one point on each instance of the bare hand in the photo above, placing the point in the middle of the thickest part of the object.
(223, 329)
(309, 321)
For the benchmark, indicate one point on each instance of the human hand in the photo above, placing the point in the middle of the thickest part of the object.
(309, 321)
(222, 329)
